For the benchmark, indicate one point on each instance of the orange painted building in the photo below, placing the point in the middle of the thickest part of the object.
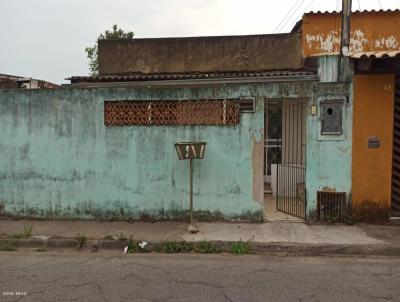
(375, 57)
(373, 105)
(370, 31)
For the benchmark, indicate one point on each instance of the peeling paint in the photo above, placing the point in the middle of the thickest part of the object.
(328, 189)
(60, 161)
(369, 32)
(385, 43)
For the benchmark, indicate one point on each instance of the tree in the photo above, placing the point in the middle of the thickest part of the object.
(92, 52)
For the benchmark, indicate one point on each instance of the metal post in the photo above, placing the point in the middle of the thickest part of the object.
(344, 60)
(191, 190)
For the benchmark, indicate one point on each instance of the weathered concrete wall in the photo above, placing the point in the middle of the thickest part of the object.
(59, 160)
(372, 167)
(201, 54)
(370, 31)
(328, 165)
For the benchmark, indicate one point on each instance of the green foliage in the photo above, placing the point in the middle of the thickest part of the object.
(16, 236)
(92, 52)
(82, 239)
(174, 247)
(8, 246)
(27, 233)
(28, 230)
(240, 248)
(122, 236)
(207, 247)
(133, 247)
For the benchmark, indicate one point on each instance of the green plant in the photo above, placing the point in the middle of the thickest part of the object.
(174, 247)
(8, 245)
(92, 53)
(28, 230)
(122, 236)
(240, 248)
(132, 246)
(82, 239)
(16, 236)
(207, 247)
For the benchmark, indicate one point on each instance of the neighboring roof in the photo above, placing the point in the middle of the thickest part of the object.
(192, 76)
(376, 54)
(354, 12)
(384, 54)
(8, 81)
(200, 54)
(371, 32)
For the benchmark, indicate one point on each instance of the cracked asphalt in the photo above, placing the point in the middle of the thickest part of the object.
(80, 276)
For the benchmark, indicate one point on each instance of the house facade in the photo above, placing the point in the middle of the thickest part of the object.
(281, 132)
(375, 69)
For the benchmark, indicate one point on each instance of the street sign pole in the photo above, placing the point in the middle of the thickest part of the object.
(191, 191)
(190, 151)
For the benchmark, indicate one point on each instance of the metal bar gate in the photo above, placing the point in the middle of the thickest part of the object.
(288, 171)
(395, 212)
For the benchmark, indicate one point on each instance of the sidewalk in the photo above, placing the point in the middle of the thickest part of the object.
(269, 232)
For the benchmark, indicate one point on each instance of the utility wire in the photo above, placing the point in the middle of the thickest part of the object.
(295, 3)
(304, 11)
(309, 4)
(289, 15)
(292, 15)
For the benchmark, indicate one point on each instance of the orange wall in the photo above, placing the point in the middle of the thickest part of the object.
(370, 31)
(372, 116)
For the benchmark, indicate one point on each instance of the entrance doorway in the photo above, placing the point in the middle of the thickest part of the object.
(284, 160)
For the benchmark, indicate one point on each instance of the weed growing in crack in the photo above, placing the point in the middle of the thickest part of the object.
(82, 239)
(8, 246)
(207, 247)
(239, 248)
(175, 247)
(28, 227)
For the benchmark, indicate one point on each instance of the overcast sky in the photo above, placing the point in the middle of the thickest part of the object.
(46, 39)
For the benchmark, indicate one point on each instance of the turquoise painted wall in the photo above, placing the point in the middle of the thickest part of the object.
(59, 160)
(328, 165)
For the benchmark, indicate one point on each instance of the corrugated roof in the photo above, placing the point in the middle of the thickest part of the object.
(188, 76)
(383, 54)
(355, 12)
(376, 54)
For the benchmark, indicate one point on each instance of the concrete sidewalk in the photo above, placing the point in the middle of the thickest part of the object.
(270, 232)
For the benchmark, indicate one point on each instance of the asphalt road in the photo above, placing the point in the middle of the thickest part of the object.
(74, 276)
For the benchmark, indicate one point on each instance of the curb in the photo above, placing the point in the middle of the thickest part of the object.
(257, 248)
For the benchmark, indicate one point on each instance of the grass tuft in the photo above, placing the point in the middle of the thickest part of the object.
(174, 247)
(239, 248)
(8, 246)
(82, 239)
(207, 247)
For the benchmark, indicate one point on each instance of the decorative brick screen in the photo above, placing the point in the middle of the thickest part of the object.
(203, 112)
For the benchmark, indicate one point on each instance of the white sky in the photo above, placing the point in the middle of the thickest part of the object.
(46, 39)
